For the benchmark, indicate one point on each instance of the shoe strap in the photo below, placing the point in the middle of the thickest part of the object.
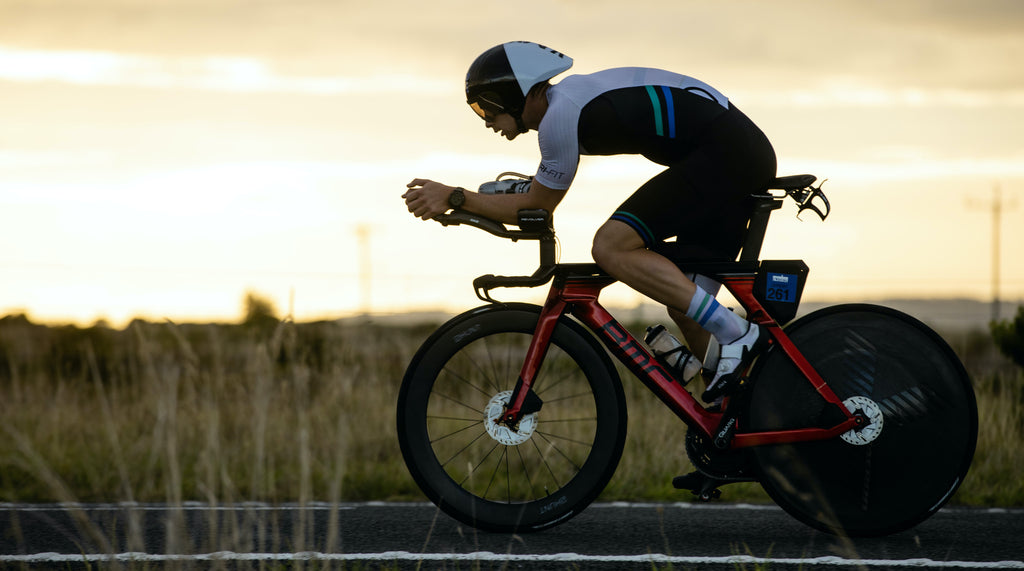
(733, 351)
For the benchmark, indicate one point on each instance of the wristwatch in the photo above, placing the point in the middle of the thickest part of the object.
(457, 198)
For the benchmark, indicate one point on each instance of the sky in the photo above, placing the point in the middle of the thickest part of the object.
(161, 158)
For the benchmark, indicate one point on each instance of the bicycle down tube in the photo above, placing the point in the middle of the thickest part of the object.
(575, 292)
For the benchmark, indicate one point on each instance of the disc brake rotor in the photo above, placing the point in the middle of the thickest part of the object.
(870, 431)
(503, 434)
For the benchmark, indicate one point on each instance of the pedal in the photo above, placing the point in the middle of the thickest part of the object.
(704, 487)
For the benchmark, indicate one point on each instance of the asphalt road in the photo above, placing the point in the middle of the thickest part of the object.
(413, 535)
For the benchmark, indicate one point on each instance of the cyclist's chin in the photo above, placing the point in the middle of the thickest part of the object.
(510, 134)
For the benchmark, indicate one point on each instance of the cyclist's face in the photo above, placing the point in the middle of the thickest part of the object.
(502, 123)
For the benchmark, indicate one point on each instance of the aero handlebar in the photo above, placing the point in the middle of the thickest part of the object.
(533, 225)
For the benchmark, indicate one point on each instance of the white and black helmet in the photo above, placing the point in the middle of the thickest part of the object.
(500, 78)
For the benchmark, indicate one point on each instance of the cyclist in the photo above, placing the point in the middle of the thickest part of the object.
(715, 158)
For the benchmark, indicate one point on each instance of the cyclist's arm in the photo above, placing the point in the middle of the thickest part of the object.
(427, 199)
(505, 207)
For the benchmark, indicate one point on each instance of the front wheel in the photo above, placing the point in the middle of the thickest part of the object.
(547, 469)
(913, 454)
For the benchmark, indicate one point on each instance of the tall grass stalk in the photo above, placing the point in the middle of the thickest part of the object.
(299, 413)
(218, 414)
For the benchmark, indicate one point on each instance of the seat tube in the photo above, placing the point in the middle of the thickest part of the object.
(549, 316)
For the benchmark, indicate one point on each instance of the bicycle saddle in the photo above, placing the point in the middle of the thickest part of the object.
(792, 182)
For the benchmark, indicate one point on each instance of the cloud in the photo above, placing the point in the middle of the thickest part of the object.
(215, 73)
(915, 43)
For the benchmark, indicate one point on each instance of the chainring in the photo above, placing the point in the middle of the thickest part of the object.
(716, 463)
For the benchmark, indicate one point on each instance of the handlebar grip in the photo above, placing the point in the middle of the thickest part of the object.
(491, 281)
(485, 283)
(458, 217)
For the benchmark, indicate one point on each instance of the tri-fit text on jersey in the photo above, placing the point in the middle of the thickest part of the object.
(551, 173)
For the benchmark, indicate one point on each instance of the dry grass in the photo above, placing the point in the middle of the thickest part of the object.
(299, 413)
(208, 413)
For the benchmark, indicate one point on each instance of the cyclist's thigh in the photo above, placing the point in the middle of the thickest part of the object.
(703, 197)
(708, 220)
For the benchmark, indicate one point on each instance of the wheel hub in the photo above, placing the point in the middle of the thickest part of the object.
(495, 410)
(871, 429)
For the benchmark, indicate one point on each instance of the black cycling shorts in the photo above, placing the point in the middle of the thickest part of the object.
(715, 162)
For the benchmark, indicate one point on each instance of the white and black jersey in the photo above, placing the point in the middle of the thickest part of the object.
(716, 156)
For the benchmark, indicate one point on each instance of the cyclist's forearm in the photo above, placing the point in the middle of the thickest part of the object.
(505, 207)
(500, 207)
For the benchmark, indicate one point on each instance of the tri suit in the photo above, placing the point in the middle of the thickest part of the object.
(715, 156)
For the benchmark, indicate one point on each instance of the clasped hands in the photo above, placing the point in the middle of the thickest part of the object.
(427, 199)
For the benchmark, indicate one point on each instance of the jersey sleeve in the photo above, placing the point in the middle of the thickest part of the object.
(559, 148)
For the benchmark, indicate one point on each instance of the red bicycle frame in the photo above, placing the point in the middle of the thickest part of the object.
(575, 292)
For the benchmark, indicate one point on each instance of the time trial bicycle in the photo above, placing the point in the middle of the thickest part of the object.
(857, 419)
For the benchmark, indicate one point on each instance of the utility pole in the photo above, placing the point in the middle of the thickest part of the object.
(365, 270)
(997, 219)
(997, 206)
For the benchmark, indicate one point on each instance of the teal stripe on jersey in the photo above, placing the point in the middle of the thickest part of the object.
(656, 103)
(670, 110)
(637, 225)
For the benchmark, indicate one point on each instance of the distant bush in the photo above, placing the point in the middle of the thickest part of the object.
(259, 311)
(1009, 337)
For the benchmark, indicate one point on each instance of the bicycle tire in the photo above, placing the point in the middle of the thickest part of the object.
(928, 428)
(544, 476)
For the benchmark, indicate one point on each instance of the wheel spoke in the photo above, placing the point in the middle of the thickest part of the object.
(474, 424)
(458, 402)
(481, 472)
(557, 449)
(463, 449)
(526, 471)
(466, 381)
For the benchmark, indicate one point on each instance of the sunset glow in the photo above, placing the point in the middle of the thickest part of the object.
(163, 170)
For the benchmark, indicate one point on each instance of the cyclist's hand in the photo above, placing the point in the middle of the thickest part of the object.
(426, 198)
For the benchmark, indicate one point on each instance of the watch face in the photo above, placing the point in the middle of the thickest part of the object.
(456, 198)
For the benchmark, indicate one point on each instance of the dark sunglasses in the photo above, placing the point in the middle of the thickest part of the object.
(486, 109)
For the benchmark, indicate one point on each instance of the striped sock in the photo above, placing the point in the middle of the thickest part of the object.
(725, 325)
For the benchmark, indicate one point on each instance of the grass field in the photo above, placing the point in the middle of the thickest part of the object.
(305, 412)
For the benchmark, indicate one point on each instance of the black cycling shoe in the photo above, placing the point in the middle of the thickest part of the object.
(735, 358)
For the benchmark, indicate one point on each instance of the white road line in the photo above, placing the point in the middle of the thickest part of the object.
(324, 506)
(395, 556)
(191, 506)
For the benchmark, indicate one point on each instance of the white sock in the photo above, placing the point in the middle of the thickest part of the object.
(725, 325)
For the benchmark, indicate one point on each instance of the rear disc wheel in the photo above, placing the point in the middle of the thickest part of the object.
(910, 457)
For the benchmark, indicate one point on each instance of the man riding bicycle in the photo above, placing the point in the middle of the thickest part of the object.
(715, 157)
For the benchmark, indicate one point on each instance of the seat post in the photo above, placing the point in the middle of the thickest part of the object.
(763, 206)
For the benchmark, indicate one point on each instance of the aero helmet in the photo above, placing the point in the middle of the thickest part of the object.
(500, 78)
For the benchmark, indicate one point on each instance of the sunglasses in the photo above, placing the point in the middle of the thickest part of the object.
(485, 108)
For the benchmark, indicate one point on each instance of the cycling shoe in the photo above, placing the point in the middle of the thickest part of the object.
(735, 358)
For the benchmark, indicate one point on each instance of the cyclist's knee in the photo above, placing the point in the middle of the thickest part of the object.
(613, 239)
(606, 252)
